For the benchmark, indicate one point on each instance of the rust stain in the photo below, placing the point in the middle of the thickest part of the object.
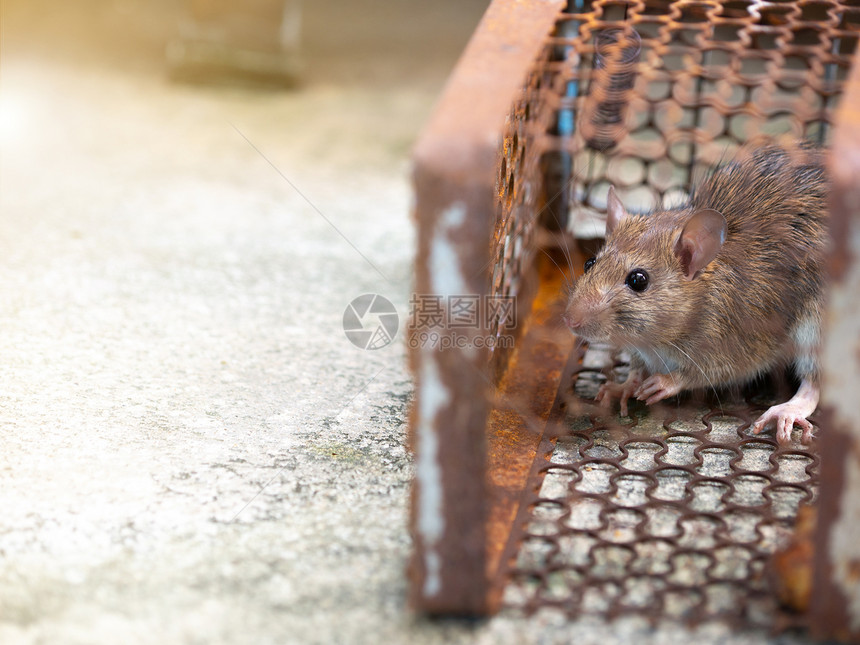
(792, 565)
(524, 401)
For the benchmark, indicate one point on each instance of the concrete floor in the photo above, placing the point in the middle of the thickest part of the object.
(191, 451)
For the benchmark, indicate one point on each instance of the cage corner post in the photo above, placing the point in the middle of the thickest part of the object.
(448, 565)
(455, 170)
(835, 600)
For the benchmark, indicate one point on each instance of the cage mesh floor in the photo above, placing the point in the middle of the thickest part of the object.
(672, 512)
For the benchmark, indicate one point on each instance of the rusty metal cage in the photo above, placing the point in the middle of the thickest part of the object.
(522, 497)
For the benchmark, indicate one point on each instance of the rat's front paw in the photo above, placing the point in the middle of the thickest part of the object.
(658, 387)
(623, 391)
(787, 415)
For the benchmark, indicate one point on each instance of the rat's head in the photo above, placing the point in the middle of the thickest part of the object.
(643, 283)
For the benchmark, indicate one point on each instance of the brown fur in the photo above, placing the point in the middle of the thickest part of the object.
(739, 317)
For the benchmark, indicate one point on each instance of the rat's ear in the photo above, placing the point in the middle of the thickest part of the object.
(701, 239)
(614, 211)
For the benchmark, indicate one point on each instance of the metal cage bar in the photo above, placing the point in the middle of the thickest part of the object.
(835, 604)
(456, 164)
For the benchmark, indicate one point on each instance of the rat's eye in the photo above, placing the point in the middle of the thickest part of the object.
(637, 280)
(589, 263)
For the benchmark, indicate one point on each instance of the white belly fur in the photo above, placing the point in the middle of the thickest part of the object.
(657, 362)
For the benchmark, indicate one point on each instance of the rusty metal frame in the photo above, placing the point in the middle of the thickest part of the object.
(455, 180)
(835, 605)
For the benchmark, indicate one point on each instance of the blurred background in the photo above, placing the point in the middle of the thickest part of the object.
(191, 193)
(340, 41)
(387, 47)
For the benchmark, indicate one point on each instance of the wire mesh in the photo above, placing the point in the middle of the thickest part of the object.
(691, 82)
(672, 512)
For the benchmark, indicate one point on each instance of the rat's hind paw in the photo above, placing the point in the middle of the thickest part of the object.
(787, 415)
(658, 387)
(792, 413)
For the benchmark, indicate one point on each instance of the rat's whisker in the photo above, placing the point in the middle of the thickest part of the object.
(567, 282)
(708, 378)
(670, 373)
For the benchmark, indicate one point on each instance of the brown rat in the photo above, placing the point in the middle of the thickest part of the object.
(719, 291)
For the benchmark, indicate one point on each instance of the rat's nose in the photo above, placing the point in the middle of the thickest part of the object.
(570, 321)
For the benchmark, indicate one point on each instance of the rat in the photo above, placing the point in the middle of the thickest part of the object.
(719, 290)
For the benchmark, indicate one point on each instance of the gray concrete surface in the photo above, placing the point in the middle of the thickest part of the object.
(190, 449)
